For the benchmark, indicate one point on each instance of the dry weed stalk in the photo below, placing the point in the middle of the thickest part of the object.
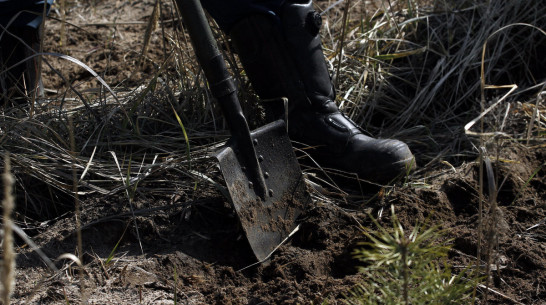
(490, 225)
(77, 205)
(150, 27)
(342, 40)
(8, 264)
(63, 24)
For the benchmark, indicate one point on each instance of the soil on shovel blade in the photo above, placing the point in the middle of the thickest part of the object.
(189, 249)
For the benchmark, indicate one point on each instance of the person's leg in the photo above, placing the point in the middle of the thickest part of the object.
(228, 12)
(283, 57)
(19, 41)
(22, 79)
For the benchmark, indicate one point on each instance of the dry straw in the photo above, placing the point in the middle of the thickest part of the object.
(8, 264)
(414, 74)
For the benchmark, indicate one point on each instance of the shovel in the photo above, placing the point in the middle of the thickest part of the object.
(260, 169)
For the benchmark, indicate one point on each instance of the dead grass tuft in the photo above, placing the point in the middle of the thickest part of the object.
(414, 73)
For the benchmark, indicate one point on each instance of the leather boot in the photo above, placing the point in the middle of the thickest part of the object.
(22, 82)
(285, 59)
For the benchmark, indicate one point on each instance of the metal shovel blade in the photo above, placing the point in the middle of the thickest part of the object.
(266, 222)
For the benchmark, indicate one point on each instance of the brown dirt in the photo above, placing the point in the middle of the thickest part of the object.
(195, 249)
(192, 248)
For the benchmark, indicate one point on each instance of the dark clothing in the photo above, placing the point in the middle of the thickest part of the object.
(19, 71)
(26, 12)
(228, 12)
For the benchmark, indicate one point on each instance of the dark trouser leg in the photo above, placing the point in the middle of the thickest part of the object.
(228, 12)
(22, 18)
(22, 82)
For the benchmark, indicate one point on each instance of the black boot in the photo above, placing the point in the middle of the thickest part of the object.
(22, 83)
(286, 60)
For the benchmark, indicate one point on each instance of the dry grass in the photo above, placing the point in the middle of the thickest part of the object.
(408, 72)
(415, 73)
(412, 73)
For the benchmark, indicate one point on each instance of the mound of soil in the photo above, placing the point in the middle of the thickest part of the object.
(194, 251)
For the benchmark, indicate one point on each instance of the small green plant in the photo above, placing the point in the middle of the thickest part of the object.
(408, 269)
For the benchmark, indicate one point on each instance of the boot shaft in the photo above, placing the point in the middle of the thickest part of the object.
(301, 26)
(283, 56)
(261, 48)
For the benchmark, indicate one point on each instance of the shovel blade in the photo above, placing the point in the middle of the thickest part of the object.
(266, 222)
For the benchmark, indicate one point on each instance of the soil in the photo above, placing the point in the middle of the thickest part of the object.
(189, 249)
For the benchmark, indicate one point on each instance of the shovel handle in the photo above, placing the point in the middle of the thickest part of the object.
(222, 87)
